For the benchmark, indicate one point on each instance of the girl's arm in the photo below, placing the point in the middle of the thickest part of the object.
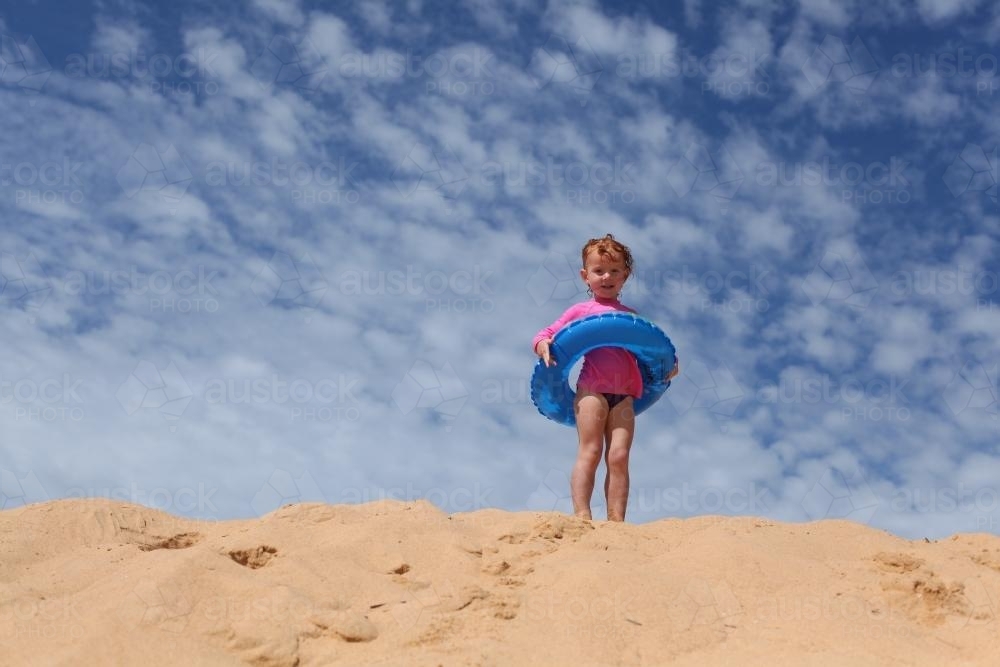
(546, 334)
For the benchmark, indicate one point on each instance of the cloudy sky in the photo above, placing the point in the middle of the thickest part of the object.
(256, 253)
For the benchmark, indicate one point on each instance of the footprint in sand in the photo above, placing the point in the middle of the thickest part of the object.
(254, 558)
(178, 541)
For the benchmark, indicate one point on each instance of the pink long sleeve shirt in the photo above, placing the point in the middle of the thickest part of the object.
(607, 370)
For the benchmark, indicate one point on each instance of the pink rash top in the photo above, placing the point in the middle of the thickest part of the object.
(606, 370)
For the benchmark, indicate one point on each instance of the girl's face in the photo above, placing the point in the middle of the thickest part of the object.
(605, 275)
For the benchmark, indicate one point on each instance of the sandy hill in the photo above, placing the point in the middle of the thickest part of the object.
(391, 583)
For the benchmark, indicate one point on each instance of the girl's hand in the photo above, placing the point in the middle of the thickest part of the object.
(542, 350)
(675, 371)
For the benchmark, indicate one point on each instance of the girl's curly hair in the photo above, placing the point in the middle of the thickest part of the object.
(608, 247)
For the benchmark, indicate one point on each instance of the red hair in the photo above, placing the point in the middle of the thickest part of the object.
(610, 248)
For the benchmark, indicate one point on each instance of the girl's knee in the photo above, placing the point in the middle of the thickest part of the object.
(618, 458)
(589, 457)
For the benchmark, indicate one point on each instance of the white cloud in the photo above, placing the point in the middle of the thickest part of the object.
(692, 13)
(60, 208)
(906, 339)
(767, 229)
(497, 16)
(983, 321)
(373, 124)
(831, 13)
(331, 36)
(176, 220)
(676, 237)
(855, 93)
(279, 122)
(117, 39)
(612, 36)
(798, 45)
(937, 11)
(823, 337)
(376, 14)
(977, 251)
(931, 104)
(741, 62)
(224, 63)
(284, 11)
(650, 129)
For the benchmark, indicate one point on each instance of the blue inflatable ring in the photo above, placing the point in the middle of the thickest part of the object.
(550, 390)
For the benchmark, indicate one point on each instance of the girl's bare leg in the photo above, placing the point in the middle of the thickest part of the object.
(591, 414)
(619, 431)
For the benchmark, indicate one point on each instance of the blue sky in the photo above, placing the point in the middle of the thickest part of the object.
(275, 251)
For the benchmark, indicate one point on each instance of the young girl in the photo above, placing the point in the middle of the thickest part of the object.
(608, 383)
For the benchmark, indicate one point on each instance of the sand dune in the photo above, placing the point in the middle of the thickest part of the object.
(391, 583)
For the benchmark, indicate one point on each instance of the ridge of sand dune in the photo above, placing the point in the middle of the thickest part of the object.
(389, 583)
